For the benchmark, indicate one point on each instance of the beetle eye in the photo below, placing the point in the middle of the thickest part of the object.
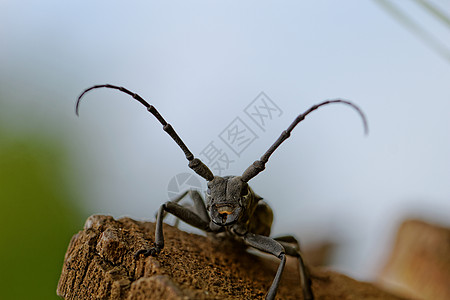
(208, 191)
(244, 191)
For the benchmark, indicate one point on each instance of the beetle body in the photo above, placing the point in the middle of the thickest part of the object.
(231, 206)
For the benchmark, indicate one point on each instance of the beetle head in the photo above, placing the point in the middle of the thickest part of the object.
(227, 199)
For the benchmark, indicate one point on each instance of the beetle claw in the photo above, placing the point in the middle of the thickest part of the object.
(147, 252)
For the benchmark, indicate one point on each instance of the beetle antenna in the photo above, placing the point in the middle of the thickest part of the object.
(259, 165)
(194, 163)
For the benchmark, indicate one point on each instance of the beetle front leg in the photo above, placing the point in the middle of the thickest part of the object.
(198, 207)
(183, 214)
(305, 278)
(271, 246)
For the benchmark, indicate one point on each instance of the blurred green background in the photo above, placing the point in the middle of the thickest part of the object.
(39, 215)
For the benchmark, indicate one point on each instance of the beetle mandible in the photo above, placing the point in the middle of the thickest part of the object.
(231, 207)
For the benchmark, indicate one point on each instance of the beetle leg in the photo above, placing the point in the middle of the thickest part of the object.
(179, 211)
(291, 250)
(288, 239)
(175, 200)
(198, 207)
(269, 245)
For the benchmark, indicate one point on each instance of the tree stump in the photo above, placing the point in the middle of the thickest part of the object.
(419, 265)
(100, 264)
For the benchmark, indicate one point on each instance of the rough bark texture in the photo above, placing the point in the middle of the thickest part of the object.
(100, 264)
(419, 265)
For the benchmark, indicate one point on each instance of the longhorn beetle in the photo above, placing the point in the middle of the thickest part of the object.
(231, 205)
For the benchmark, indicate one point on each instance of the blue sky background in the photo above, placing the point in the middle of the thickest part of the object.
(201, 63)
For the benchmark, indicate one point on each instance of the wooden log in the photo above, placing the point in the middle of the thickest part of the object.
(100, 264)
(419, 265)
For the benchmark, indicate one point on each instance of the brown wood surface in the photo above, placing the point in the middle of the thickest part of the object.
(100, 264)
(419, 264)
